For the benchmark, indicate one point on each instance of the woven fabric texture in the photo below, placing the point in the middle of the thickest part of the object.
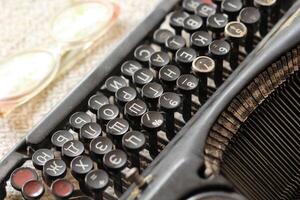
(24, 25)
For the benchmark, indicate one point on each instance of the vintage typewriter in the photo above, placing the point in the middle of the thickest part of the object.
(201, 101)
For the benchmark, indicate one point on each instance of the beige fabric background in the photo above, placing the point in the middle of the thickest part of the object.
(24, 24)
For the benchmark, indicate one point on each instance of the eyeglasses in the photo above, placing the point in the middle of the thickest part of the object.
(75, 30)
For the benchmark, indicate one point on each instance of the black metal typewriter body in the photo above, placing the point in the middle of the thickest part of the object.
(199, 101)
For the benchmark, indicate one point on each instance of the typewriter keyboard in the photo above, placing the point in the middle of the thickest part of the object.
(140, 107)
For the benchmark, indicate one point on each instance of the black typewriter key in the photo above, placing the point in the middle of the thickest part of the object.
(174, 43)
(176, 20)
(97, 181)
(192, 23)
(250, 16)
(96, 101)
(21, 175)
(33, 190)
(216, 23)
(133, 142)
(72, 149)
(124, 95)
(54, 169)
(89, 131)
(129, 67)
(190, 5)
(62, 189)
(152, 122)
(202, 66)
(115, 129)
(40, 157)
(142, 53)
(78, 119)
(232, 8)
(99, 147)
(80, 166)
(115, 161)
(219, 50)
(168, 76)
(187, 84)
(150, 93)
(160, 36)
(142, 77)
(265, 8)
(107, 113)
(114, 83)
(200, 41)
(133, 111)
(235, 32)
(158, 60)
(60, 137)
(169, 102)
(205, 10)
(184, 58)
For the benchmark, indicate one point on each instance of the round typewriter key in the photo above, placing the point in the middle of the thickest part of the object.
(202, 66)
(235, 32)
(190, 5)
(99, 147)
(219, 50)
(62, 189)
(205, 10)
(232, 8)
(115, 161)
(40, 157)
(133, 142)
(216, 23)
(152, 122)
(133, 111)
(72, 149)
(54, 169)
(96, 102)
(129, 67)
(168, 76)
(174, 43)
(124, 95)
(114, 83)
(158, 60)
(160, 36)
(78, 119)
(115, 129)
(33, 190)
(142, 53)
(60, 137)
(80, 166)
(187, 84)
(150, 93)
(250, 16)
(107, 113)
(176, 20)
(142, 77)
(184, 58)
(200, 41)
(89, 131)
(20, 176)
(97, 181)
(265, 7)
(192, 23)
(169, 102)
